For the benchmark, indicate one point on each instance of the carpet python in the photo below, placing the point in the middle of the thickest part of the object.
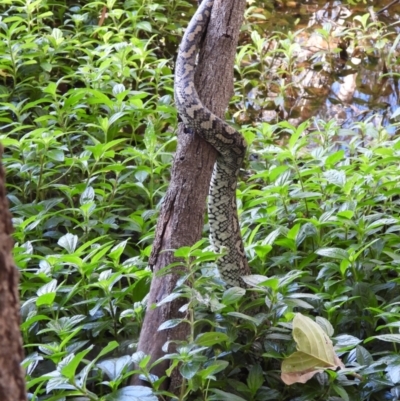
(231, 147)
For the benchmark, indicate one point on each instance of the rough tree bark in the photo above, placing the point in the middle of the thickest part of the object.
(182, 214)
(12, 385)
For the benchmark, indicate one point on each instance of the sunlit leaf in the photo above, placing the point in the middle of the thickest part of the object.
(314, 352)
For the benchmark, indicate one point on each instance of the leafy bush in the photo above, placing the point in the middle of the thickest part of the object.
(87, 122)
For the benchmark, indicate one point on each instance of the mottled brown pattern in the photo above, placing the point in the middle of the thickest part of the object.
(182, 214)
(231, 148)
(12, 385)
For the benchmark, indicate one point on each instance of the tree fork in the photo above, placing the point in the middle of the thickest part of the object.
(182, 214)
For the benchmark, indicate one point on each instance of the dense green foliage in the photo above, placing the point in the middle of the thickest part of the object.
(87, 122)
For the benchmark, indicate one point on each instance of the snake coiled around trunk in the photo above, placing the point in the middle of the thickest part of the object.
(231, 147)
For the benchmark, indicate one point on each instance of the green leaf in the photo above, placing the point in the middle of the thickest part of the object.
(334, 253)
(325, 325)
(391, 338)
(341, 392)
(272, 283)
(233, 295)
(335, 177)
(69, 370)
(37, 318)
(292, 233)
(188, 370)
(244, 317)
(363, 356)
(363, 19)
(132, 393)
(224, 396)
(117, 251)
(46, 299)
(255, 379)
(169, 324)
(183, 252)
(210, 339)
(346, 214)
(393, 372)
(254, 280)
(262, 251)
(47, 293)
(215, 367)
(171, 297)
(114, 368)
(144, 26)
(334, 158)
(345, 341)
(56, 154)
(68, 242)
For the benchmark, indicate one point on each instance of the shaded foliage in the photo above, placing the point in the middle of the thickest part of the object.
(88, 124)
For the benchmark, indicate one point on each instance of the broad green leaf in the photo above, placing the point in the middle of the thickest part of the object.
(138, 356)
(68, 242)
(169, 324)
(215, 367)
(233, 295)
(113, 368)
(69, 370)
(244, 317)
(189, 369)
(334, 253)
(37, 318)
(325, 325)
(292, 234)
(345, 341)
(56, 154)
(117, 251)
(347, 214)
(341, 392)
(393, 372)
(183, 252)
(132, 393)
(46, 299)
(363, 356)
(391, 338)
(87, 196)
(108, 348)
(117, 89)
(363, 19)
(224, 396)
(171, 297)
(209, 339)
(336, 177)
(255, 378)
(144, 26)
(334, 158)
(254, 280)
(48, 288)
(262, 251)
(58, 383)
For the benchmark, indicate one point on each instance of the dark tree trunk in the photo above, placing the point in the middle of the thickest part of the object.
(12, 385)
(182, 214)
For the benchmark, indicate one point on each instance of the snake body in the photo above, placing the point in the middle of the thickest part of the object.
(231, 147)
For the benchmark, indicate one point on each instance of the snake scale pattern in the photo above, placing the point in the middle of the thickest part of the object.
(231, 147)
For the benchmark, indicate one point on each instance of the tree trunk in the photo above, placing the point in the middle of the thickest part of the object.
(12, 385)
(182, 214)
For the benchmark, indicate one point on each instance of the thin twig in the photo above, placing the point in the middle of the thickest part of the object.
(386, 7)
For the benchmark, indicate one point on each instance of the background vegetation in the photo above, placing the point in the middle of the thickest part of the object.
(88, 121)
